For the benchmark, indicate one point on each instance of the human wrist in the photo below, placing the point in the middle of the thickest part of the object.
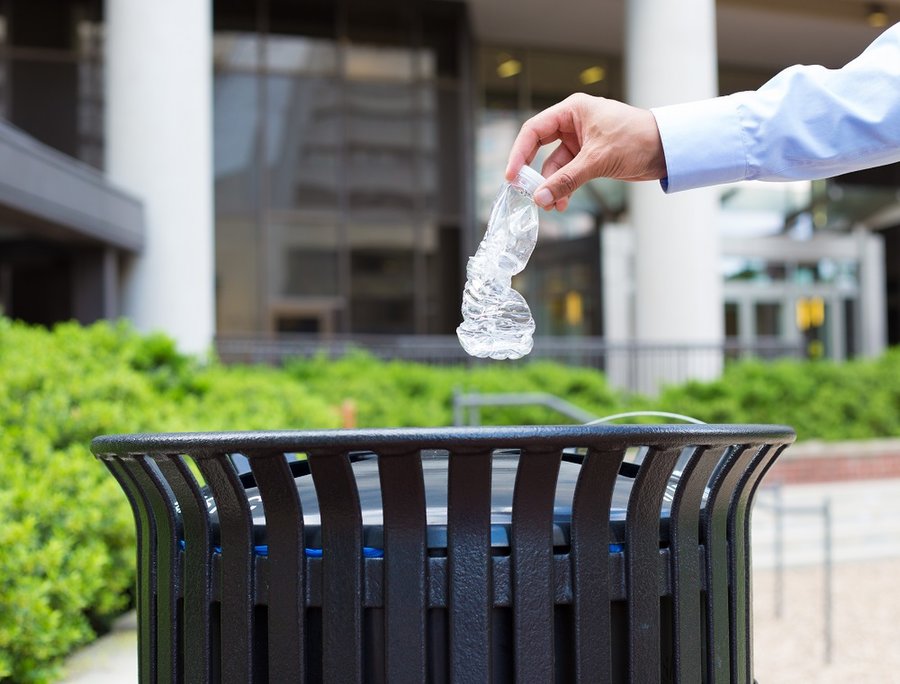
(653, 146)
(701, 143)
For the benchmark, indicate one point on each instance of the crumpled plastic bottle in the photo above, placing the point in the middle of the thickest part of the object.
(497, 322)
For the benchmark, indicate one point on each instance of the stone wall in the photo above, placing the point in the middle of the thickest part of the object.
(808, 462)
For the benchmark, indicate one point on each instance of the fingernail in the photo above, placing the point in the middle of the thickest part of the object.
(543, 197)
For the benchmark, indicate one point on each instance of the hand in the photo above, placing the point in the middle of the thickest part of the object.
(598, 138)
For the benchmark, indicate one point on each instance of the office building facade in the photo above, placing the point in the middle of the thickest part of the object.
(262, 168)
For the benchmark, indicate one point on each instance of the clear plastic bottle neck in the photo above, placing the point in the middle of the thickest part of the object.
(528, 180)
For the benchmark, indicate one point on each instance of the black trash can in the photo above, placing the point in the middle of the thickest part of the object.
(583, 553)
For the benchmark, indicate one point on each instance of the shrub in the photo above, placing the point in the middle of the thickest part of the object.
(400, 393)
(857, 399)
(66, 530)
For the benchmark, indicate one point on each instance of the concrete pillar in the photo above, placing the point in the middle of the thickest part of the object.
(670, 58)
(872, 302)
(617, 267)
(158, 146)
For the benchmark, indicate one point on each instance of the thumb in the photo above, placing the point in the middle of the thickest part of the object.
(563, 183)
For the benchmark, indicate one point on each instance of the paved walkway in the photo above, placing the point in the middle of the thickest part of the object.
(787, 648)
(111, 659)
(792, 648)
(791, 644)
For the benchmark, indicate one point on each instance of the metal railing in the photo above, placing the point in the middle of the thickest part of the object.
(627, 364)
(475, 401)
(779, 511)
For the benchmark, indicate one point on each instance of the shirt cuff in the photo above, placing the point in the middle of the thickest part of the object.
(702, 143)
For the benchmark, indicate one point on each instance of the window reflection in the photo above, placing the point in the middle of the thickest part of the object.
(303, 143)
(233, 51)
(768, 319)
(301, 55)
(333, 147)
(382, 290)
(764, 271)
(305, 257)
(379, 63)
(235, 122)
(237, 281)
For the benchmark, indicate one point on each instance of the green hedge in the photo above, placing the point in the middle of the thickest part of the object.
(857, 399)
(66, 532)
(400, 393)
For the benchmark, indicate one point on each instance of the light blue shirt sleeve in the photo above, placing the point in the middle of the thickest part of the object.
(807, 122)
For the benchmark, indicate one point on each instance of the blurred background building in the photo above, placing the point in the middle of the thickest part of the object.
(259, 171)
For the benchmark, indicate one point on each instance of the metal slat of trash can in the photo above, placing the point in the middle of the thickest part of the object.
(286, 565)
(469, 566)
(165, 568)
(342, 565)
(687, 578)
(531, 547)
(589, 553)
(546, 601)
(196, 570)
(642, 563)
(405, 557)
(720, 633)
(145, 594)
(237, 572)
(741, 595)
(156, 567)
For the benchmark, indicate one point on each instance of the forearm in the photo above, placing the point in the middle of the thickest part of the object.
(807, 122)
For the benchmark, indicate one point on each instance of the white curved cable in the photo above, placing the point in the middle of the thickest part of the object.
(656, 414)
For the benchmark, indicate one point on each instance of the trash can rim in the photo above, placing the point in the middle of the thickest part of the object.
(456, 438)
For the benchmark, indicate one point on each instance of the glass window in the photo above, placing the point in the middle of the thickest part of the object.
(560, 297)
(444, 177)
(303, 143)
(301, 55)
(235, 122)
(330, 134)
(732, 319)
(382, 291)
(304, 257)
(754, 270)
(380, 63)
(768, 320)
(851, 325)
(389, 166)
(395, 234)
(238, 292)
(44, 24)
(236, 51)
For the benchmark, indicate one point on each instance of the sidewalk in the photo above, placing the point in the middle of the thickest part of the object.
(787, 649)
(792, 647)
(111, 659)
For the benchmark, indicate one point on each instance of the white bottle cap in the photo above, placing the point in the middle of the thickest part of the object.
(530, 179)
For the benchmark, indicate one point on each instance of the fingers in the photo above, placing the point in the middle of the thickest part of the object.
(539, 130)
(563, 182)
(556, 160)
